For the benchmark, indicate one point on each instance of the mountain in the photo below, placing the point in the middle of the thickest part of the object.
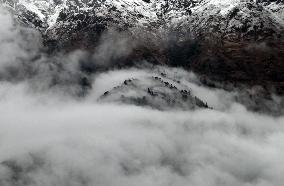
(228, 40)
(157, 92)
(142, 12)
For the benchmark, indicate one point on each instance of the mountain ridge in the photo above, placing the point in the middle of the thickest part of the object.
(230, 40)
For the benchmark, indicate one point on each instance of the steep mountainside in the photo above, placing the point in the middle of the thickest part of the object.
(229, 40)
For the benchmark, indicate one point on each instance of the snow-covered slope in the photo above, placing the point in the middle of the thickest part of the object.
(144, 12)
(232, 39)
(158, 92)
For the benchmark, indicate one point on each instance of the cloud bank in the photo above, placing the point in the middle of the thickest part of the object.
(45, 141)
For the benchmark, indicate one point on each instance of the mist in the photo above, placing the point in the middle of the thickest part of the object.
(57, 128)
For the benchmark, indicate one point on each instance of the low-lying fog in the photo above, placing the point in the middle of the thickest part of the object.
(51, 136)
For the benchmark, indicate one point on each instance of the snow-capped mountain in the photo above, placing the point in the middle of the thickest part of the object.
(239, 40)
(143, 11)
(226, 18)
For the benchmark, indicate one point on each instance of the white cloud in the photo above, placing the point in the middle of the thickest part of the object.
(54, 142)
(16, 43)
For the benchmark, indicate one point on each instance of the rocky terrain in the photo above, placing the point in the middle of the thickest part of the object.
(230, 40)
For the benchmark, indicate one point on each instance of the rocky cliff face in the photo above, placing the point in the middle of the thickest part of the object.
(228, 40)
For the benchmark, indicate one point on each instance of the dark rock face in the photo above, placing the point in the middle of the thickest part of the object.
(240, 41)
(241, 48)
